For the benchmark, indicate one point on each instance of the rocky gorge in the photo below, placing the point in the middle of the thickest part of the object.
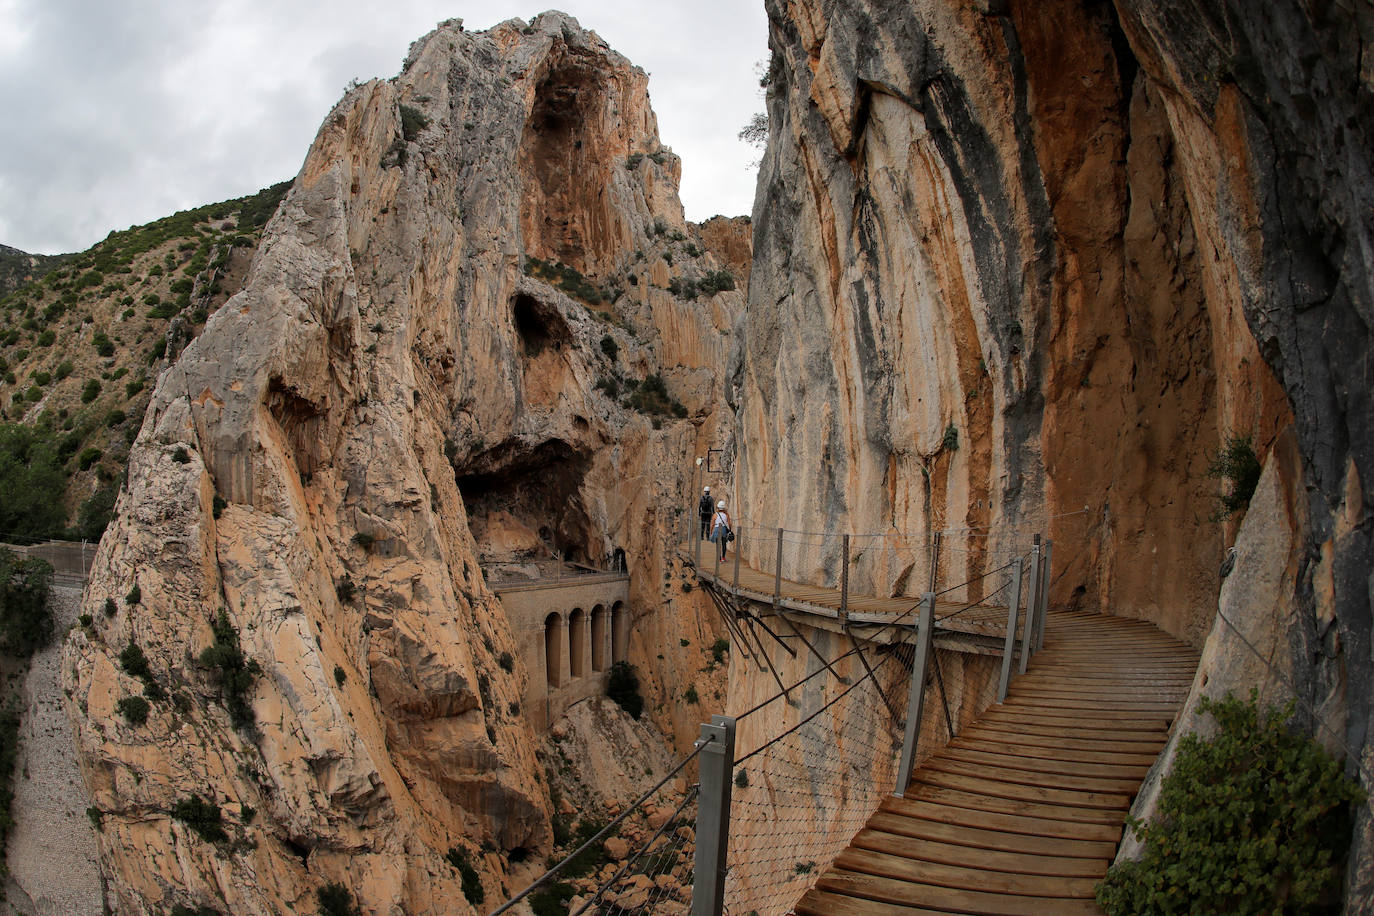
(1012, 267)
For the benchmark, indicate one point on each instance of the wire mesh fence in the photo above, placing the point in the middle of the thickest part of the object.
(807, 777)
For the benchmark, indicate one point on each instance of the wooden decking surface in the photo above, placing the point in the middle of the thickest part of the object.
(989, 620)
(1022, 812)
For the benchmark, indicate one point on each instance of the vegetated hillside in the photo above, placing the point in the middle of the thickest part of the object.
(81, 346)
(19, 267)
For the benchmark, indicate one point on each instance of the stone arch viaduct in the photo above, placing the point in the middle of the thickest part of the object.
(570, 632)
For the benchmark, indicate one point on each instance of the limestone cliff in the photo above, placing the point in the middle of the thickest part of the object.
(424, 370)
(1025, 266)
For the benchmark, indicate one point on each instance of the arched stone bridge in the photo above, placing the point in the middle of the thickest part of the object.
(570, 631)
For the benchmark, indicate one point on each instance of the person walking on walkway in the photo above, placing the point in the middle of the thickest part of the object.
(704, 510)
(720, 528)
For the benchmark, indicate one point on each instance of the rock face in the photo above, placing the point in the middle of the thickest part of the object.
(1030, 266)
(404, 373)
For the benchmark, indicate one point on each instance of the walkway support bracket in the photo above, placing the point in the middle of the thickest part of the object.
(717, 745)
(915, 705)
(777, 575)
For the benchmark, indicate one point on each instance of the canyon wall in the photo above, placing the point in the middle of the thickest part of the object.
(448, 351)
(1031, 266)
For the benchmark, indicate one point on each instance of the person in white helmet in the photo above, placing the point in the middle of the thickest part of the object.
(720, 528)
(704, 508)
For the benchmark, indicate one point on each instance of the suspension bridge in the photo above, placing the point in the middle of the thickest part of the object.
(963, 750)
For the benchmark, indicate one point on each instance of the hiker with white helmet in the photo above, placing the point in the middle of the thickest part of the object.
(720, 528)
(704, 510)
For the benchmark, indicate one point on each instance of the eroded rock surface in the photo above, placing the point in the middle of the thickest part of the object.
(1028, 267)
(427, 367)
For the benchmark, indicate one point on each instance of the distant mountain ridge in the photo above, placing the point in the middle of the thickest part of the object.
(19, 267)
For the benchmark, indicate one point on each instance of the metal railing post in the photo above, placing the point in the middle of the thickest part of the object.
(715, 549)
(915, 704)
(713, 815)
(1009, 647)
(777, 575)
(1043, 617)
(1032, 604)
(935, 561)
(844, 582)
(739, 544)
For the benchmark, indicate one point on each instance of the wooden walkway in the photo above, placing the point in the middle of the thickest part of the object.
(1022, 812)
(867, 615)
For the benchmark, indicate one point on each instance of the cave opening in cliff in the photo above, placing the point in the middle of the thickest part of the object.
(538, 325)
(524, 504)
(563, 164)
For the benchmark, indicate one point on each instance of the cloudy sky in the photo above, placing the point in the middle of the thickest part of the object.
(118, 113)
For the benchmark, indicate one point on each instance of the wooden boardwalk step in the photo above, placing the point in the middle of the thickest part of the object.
(1021, 813)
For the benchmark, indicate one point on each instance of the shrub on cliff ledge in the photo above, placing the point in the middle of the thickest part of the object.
(1254, 820)
(1239, 466)
(233, 669)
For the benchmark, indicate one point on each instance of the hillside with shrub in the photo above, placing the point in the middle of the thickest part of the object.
(81, 346)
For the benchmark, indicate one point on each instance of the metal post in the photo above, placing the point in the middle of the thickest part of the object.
(777, 576)
(915, 704)
(713, 815)
(844, 582)
(935, 561)
(1032, 604)
(1044, 596)
(715, 551)
(739, 543)
(1009, 648)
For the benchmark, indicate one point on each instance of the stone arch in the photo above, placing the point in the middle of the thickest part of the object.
(620, 632)
(600, 637)
(554, 651)
(577, 642)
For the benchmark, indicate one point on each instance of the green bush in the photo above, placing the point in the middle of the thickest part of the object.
(96, 513)
(413, 121)
(201, 816)
(10, 719)
(610, 347)
(234, 671)
(64, 369)
(1256, 819)
(25, 621)
(1239, 466)
(335, 900)
(134, 709)
(950, 442)
(716, 281)
(89, 456)
(552, 900)
(340, 675)
(622, 686)
(47, 338)
(719, 648)
(652, 397)
(472, 883)
(102, 343)
(42, 378)
(90, 391)
(506, 661)
(135, 595)
(690, 695)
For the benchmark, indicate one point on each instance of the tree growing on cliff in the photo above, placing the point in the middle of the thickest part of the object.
(25, 621)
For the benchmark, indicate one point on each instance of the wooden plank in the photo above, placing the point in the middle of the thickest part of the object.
(995, 787)
(1053, 752)
(1068, 765)
(816, 902)
(946, 762)
(1019, 863)
(936, 808)
(917, 872)
(974, 801)
(982, 838)
(950, 900)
